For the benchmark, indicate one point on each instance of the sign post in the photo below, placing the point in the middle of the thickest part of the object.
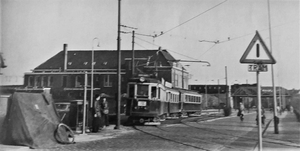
(259, 112)
(259, 59)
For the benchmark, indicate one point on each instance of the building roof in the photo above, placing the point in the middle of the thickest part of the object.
(104, 59)
(265, 91)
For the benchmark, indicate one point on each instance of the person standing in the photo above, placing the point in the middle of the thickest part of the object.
(96, 114)
(241, 111)
(104, 113)
(263, 117)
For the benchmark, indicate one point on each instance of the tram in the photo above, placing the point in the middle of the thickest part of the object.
(150, 100)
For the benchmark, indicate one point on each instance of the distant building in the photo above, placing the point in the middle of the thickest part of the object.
(65, 72)
(246, 93)
(209, 89)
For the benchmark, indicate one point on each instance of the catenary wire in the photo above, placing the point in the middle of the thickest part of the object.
(162, 33)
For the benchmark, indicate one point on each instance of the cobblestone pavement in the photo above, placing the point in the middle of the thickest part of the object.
(197, 133)
(227, 133)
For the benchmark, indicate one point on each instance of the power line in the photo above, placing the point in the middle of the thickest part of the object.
(208, 49)
(208, 41)
(168, 49)
(162, 33)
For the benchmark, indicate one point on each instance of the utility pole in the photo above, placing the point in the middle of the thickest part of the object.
(119, 68)
(272, 74)
(132, 60)
(218, 95)
(182, 82)
(259, 112)
(226, 90)
(84, 103)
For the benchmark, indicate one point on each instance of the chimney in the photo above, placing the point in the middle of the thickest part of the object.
(66, 57)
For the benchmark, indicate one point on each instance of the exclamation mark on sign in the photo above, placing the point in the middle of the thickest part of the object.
(257, 50)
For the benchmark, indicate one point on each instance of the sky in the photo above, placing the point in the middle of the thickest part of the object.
(217, 31)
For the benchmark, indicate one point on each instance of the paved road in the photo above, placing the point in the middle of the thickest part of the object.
(227, 133)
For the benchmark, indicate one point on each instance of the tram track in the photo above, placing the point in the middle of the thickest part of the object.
(164, 133)
(167, 139)
(174, 135)
(267, 140)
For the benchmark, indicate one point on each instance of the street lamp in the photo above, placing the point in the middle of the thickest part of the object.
(218, 95)
(92, 72)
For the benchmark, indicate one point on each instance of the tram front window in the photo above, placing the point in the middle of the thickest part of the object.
(142, 90)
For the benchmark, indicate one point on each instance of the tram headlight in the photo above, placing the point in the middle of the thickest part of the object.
(142, 79)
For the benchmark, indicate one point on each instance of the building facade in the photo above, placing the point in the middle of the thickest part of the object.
(68, 71)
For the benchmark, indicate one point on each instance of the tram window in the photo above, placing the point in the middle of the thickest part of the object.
(131, 90)
(153, 92)
(142, 90)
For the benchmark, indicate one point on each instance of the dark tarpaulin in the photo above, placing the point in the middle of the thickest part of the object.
(31, 120)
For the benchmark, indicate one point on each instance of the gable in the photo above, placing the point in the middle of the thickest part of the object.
(104, 59)
(55, 62)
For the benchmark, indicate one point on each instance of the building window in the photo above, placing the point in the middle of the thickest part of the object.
(50, 81)
(37, 81)
(30, 81)
(107, 81)
(176, 80)
(44, 81)
(64, 81)
(78, 81)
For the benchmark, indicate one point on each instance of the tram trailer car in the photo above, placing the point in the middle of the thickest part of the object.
(150, 101)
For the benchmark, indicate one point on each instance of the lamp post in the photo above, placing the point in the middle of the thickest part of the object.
(92, 71)
(219, 95)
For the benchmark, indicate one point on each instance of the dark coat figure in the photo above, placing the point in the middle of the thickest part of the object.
(96, 114)
(241, 111)
(104, 112)
(263, 117)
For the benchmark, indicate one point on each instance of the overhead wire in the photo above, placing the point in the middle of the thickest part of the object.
(164, 32)
(208, 41)
(168, 49)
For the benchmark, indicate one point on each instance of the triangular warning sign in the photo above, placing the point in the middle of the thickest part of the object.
(257, 52)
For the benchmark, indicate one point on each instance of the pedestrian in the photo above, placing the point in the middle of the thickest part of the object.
(263, 117)
(104, 113)
(278, 109)
(241, 111)
(96, 114)
(291, 109)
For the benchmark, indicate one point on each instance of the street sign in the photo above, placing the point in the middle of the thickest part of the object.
(257, 52)
(257, 67)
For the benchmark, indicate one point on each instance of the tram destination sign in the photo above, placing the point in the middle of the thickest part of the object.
(257, 67)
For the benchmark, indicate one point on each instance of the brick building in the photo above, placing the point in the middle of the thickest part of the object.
(65, 72)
